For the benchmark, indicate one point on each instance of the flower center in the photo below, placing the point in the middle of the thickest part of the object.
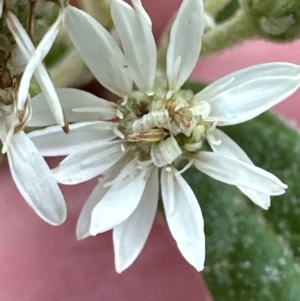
(164, 129)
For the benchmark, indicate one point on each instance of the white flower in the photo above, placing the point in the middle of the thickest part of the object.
(155, 127)
(29, 170)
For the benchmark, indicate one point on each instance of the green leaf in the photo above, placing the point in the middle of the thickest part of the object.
(57, 51)
(254, 254)
(276, 149)
(194, 86)
(228, 11)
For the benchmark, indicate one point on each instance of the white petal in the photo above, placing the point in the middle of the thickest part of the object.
(52, 141)
(138, 6)
(20, 35)
(1, 7)
(185, 42)
(23, 41)
(137, 42)
(2, 129)
(6, 131)
(84, 220)
(184, 217)
(243, 95)
(99, 51)
(121, 200)
(46, 84)
(35, 180)
(88, 163)
(130, 236)
(235, 172)
(261, 199)
(229, 148)
(72, 100)
(36, 58)
(209, 21)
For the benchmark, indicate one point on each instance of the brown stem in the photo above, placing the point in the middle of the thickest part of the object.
(30, 21)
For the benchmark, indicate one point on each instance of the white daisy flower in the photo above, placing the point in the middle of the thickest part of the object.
(29, 170)
(154, 127)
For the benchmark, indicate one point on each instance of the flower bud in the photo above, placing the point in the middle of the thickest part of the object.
(277, 20)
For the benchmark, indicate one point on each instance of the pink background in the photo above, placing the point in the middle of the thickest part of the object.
(41, 262)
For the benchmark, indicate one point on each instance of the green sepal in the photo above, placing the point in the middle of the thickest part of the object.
(228, 11)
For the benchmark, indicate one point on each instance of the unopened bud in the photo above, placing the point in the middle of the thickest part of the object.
(277, 20)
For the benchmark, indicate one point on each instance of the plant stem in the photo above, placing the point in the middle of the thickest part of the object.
(214, 6)
(228, 34)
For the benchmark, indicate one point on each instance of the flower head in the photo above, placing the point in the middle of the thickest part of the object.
(155, 125)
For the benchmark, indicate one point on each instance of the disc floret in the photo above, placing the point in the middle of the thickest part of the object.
(164, 128)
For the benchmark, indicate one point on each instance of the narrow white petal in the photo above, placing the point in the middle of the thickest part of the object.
(27, 48)
(88, 163)
(84, 220)
(185, 42)
(35, 180)
(99, 51)
(1, 7)
(36, 58)
(2, 129)
(47, 86)
(185, 220)
(209, 21)
(138, 6)
(235, 172)
(138, 44)
(261, 199)
(229, 148)
(6, 130)
(130, 236)
(243, 95)
(72, 100)
(108, 112)
(20, 35)
(53, 141)
(121, 200)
